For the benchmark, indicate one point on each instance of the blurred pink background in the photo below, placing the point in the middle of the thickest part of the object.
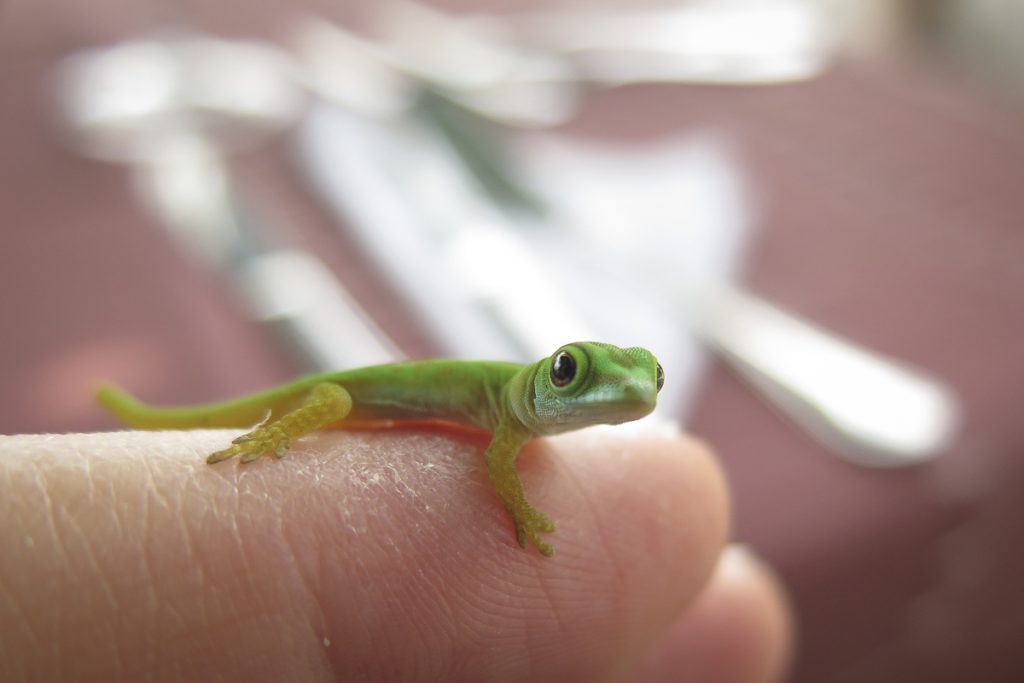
(891, 193)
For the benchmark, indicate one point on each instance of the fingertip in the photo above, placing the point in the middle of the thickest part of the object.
(740, 629)
(759, 597)
(642, 520)
(396, 542)
(654, 500)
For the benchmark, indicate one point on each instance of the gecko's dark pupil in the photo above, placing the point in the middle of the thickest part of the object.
(563, 369)
(660, 377)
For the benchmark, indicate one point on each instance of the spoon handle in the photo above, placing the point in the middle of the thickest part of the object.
(873, 410)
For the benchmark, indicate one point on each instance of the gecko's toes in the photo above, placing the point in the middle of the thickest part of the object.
(219, 456)
(546, 549)
(540, 522)
(249, 456)
(249, 451)
(530, 526)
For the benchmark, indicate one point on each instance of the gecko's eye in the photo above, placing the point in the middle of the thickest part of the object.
(659, 377)
(563, 369)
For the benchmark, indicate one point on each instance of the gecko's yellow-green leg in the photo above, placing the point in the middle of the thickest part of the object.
(326, 402)
(500, 459)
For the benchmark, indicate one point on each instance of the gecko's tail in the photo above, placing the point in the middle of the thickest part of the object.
(119, 402)
(134, 413)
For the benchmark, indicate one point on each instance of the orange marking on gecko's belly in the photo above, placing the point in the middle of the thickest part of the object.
(437, 425)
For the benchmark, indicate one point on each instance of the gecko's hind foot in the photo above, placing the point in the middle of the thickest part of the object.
(266, 439)
(327, 402)
(220, 455)
(530, 523)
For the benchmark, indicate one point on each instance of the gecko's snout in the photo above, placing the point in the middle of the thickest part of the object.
(639, 396)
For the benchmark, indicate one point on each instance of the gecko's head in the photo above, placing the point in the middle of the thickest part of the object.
(588, 383)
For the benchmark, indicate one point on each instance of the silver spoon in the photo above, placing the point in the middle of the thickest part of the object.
(173, 108)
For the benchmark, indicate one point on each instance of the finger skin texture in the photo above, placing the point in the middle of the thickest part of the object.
(739, 630)
(358, 556)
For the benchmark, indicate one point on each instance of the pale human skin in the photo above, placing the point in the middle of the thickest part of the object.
(377, 556)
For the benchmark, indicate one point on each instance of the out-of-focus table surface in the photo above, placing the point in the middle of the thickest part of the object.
(891, 204)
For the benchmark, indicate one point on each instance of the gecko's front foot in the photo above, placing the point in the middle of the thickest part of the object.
(530, 523)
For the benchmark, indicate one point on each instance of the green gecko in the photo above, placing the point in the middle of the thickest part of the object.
(579, 385)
